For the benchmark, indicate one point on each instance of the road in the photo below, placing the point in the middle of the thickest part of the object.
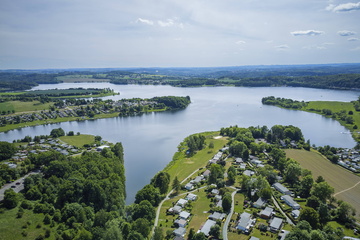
(17, 185)
(227, 221)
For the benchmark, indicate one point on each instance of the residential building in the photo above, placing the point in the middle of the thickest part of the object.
(290, 201)
(281, 188)
(275, 224)
(207, 226)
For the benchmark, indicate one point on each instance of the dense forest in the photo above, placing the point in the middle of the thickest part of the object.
(331, 76)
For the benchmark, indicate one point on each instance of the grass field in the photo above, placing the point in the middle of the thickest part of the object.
(182, 165)
(78, 140)
(18, 106)
(13, 228)
(338, 177)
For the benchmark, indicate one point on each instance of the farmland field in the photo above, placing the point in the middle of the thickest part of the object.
(339, 178)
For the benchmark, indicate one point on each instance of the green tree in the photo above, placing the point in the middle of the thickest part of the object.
(11, 199)
(199, 236)
(161, 180)
(345, 212)
(57, 132)
(144, 210)
(176, 185)
(158, 234)
(323, 191)
(142, 226)
(150, 193)
(311, 216)
(227, 202)
(215, 231)
(216, 171)
(306, 184)
(292, 172)
(324, 214)
(7, 150)
(191, 234)
(237, 148)
(232, 174)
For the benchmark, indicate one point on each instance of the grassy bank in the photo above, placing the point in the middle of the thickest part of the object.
(78, 140)
(338, 177)
(182, 165)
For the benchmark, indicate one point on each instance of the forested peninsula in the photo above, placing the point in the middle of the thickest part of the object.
(347, 113)
(42, 107)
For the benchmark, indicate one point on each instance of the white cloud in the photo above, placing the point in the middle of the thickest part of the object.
(240, 42)
(282, 47)
(346, 33)
(307, 33)
(346, 7)
(145, 21)
(167, 23)
(353, 39)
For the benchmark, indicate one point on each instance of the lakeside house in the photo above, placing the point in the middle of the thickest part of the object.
(281, 188)
(182, 202)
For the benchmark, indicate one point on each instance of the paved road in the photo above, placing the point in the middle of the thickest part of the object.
(17, 185)
(227, 221)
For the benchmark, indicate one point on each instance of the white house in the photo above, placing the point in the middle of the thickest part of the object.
(245, 223)
(191, 197)
(180, 232)
(281, 188)
(275, 224)
(290, 201)
(207, 226)
(260, 203)
(182, 202)
(181, 222)
(184, 215)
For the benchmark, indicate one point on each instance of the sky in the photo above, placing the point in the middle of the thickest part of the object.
(39, 34)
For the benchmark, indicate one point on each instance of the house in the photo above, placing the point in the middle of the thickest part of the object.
(275, 224)
(295, 213)
(217, 216)
(197, 180)
(290, 201)
(283, 234)
(248, 173)
(184, 215)
(218, 198)
(207, 226)
(191, 197)
(100, 148)
(215, 191)
(176, 209)
(181, 222)
(266, 213)
(238, 160)
(254, 238)
(182, 202)
(260, 203)
(245, 222)
(206, 174)
(281, 188)
(189, 186)
(242, 166)
(180, 232)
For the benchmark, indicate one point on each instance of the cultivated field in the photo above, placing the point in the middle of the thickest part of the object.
(343, 181)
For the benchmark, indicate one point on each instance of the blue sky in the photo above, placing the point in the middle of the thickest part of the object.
(177, 33)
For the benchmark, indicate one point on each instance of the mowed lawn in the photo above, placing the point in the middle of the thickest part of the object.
(78, 140)
(18, 106)
(338, 177)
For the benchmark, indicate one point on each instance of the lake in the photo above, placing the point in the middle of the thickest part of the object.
(150, 140)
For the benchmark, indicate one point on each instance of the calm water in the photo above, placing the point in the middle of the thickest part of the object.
(150, 140)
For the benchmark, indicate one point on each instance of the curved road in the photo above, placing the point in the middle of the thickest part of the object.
(227, 221)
